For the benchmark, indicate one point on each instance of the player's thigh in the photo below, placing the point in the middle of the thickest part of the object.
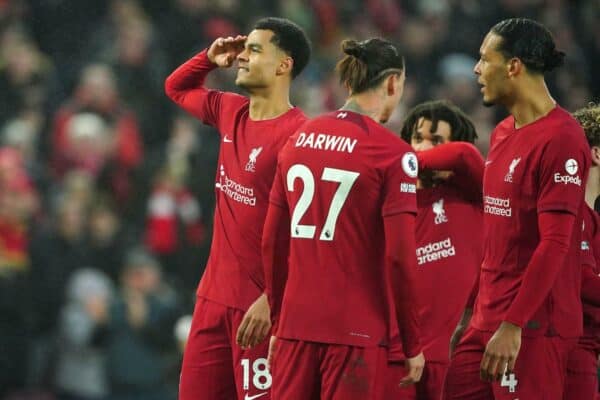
(353, 373)
(206, 370)
(582, 378)
(395, 371)
(295, 370)
(540, 370)
(431, 384)
(252, 376)
(462, 377)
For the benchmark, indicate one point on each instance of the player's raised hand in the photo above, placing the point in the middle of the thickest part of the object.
(414, 366)
(501, 352)
(223, 51)
(256, 323)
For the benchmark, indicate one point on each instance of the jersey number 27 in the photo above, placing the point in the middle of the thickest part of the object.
(299, 171)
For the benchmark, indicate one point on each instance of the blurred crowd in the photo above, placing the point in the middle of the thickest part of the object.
(106, 189)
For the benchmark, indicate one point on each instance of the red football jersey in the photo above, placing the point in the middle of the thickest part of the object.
(449, 252)
(247, 161)
(590, 258)
(536, 168)
(339, 176)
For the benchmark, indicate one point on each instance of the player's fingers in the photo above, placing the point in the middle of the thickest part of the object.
(257, 335)
(247, 338)
(510, 367)
(271, 353)
(242, 330)
(501, 369)
(492, 367)
(262, 332)
(485, 361)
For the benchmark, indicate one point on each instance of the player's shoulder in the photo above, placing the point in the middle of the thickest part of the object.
(560, 125)
(292, 119)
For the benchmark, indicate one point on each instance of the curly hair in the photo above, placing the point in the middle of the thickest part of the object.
(589, 119)
(462, 129)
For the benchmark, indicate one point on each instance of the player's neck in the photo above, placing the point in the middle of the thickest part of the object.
(592, 187)
(269, 103)
(532, 102)
(366, 104)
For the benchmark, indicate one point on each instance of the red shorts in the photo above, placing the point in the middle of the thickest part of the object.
(582, 378)
(312, 371)
(540, 370)
(214, 366)
(428, 388)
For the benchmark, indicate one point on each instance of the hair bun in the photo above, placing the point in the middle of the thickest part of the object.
(554, 60)
(353, 48)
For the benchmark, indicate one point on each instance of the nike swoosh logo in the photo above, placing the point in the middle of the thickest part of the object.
(227, 140)
(256, 396)
(488, 162)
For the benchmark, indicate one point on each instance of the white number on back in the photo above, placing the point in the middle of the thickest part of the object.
(510, 382)
(261, 377)
(345, 178)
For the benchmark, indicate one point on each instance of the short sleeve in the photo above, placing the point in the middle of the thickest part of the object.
(563, 170)
(278, 194)
(400, 185)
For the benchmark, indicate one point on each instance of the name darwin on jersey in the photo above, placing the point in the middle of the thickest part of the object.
(324, 141)
(435, 251)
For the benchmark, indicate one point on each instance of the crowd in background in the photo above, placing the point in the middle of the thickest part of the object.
(106, 189)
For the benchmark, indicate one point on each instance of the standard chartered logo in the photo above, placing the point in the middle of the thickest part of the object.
(435, 251)
(235, 190)
(497, 206)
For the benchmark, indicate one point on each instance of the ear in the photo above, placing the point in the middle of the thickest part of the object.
(390, 84)
(514, 67)
(596, 155)
(285, 66)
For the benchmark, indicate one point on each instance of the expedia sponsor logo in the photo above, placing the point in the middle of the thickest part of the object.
(566, 179)
(497, 206)
(435, 251)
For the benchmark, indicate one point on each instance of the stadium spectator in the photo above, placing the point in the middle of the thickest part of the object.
(80, 371)
(121, 142)
(140, 327)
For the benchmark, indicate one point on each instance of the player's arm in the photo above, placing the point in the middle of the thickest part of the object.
(590, 286)
(462, 158)
(590, 281)
(275, 247)
(465, 319)
(399, 209)
(185, 86)
(275, 250)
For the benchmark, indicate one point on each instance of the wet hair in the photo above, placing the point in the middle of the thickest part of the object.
(366, 64)
(589, 119)
(290, 38)
(529, 41)
(461, 127)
